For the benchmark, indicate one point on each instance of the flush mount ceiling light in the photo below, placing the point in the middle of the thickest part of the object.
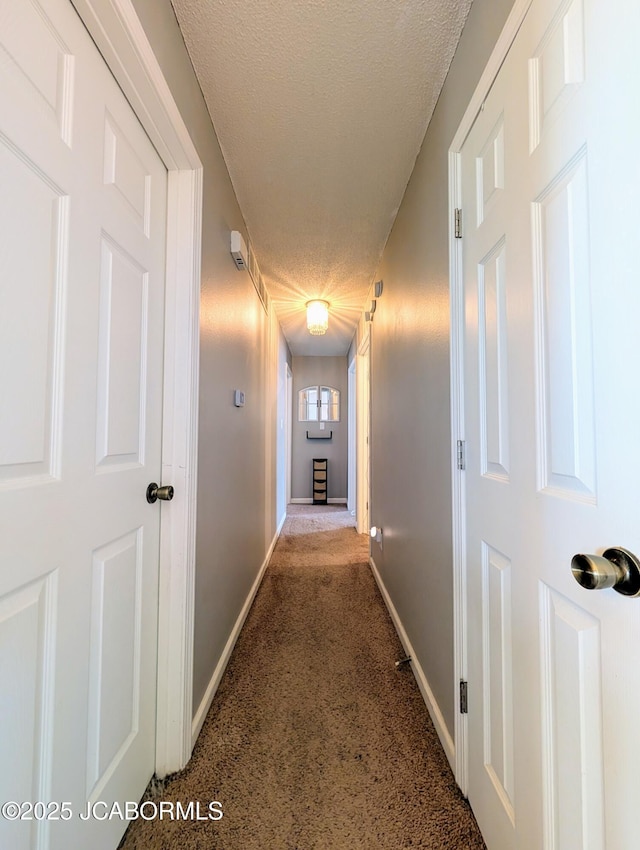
(317, 317)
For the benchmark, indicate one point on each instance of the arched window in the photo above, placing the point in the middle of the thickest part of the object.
(319, 404)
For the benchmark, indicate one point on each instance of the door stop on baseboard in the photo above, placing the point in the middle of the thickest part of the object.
(403, 661)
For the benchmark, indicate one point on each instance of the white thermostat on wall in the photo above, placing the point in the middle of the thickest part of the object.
(238, 398)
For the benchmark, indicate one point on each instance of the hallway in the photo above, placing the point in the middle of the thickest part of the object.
(242, 237)
(314, 739)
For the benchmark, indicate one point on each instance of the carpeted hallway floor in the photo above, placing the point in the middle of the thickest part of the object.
(314, 740)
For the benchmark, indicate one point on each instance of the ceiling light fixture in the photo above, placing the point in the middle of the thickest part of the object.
(317, 317)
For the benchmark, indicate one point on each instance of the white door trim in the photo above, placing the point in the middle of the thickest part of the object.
(363, 428)
(507, 36)
(118, 33)
(352, 442)
(289, 426)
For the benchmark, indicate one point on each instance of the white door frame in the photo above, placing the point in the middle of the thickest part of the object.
(363, 433)
(351, 450)
(289, 428)
(503, 45)
(118, 33)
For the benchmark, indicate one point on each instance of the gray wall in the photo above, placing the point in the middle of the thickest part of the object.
(239, 349)
(410, 434)
(330, 372)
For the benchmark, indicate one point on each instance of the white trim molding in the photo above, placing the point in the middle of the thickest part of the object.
(457, 476)
(503, 45)
(118, 33)
(221, 666)
(363, 432)
(352, 475)
(425, 689)
(289, 431)
(179, 465)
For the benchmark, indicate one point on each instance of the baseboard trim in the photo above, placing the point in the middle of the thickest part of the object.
(221, 666)
(427, 694)
(339, 501)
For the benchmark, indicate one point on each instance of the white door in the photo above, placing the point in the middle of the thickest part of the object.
(82, 230)
(552, 397)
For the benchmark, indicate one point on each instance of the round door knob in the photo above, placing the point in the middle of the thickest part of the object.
(617, 568)
(154, 493)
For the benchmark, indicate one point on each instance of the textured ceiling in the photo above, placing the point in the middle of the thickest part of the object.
(320, 107)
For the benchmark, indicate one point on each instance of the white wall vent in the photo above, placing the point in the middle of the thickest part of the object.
(258, 282)
(239, 250)
(245, 260)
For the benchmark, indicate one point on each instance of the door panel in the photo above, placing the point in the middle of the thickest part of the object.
(490, 171)
(124, 171)
(124, 314)
(571, 723)
(493, 377)
(557, 65)
(46, 85)
(497, 683)
(31, 333)
(27, 660)
(567, 451)
(115, 657)
(81, 350)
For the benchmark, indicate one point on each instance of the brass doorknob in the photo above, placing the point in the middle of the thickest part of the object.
(154, 493)
(617, 568)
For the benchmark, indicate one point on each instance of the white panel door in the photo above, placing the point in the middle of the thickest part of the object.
(82, 232)
(552, 398)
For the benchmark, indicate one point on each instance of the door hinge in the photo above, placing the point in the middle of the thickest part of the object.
(458, 223)
(461, 454)
(464, 705)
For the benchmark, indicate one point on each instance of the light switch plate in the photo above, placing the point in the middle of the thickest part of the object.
(238, 398)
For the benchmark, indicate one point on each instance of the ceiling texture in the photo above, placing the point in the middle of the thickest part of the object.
(320, 107)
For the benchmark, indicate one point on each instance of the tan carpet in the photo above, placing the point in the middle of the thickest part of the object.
(314, 740)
